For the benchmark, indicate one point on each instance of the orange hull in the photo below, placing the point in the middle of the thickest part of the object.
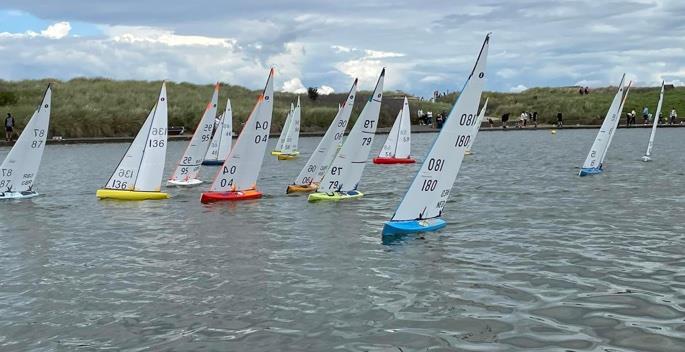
(211, 197)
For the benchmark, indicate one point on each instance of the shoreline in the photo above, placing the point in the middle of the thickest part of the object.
(379, 131)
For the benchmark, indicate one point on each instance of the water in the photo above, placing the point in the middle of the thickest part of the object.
(533, 258)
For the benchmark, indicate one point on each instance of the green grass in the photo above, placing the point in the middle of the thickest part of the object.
(100, 107)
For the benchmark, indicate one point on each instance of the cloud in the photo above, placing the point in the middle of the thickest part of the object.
(325, 90)
(294, 86)
(58, 30)
(518, 88)
(376, 54)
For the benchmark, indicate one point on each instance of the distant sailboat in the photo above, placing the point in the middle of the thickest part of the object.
(284, 132)
(422, 205)
(342, 177)
(655, 123)
(481, 116)
(139, 173)
(237, 178)
(188, 167)
(593, 162)
(222, 140)
(290, 150)
(309, 178)
(20, 167)
(397, 147)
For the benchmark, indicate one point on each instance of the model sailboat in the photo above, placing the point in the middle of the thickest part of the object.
(222, 140)
(342, 177)
(290, 150)
(284, 132)
(655, 123)
(139, 173)
(397, 147)
(595, 158)
(309, 178)
(481, 116)
(422, 206)
(237, 178)
(20, 167)
(188, 167)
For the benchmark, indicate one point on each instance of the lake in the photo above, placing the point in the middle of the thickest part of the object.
(533, 257)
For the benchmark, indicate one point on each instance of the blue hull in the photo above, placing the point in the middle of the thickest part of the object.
(212, 162)
(589, 171)
(412, 226)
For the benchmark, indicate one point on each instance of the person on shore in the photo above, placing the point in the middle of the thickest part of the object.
(673, 116)
(9, 127)
(633, 116)
(587, 90)
(534, 119)
(560, 120)
(628, 117)
(491, 123)
(505, 118)
(645, 115)
(580, 90)
(522, 120)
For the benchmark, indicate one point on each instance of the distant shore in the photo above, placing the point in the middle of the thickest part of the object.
(384, 130)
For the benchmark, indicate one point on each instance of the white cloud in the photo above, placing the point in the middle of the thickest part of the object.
(58, 30)
(517, 89)
(325, 90)
(129, 34)
(604, 28)
(432, 79)
(507, 73)
(294, 86)
(341, 49)
(375, 54)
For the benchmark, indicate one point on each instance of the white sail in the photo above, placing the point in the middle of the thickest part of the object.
(284, 131)
(594, 157)
(431, 187)
(188, 166)
(292, 139)
(241, 168)
(346, 169)
(324, 153)
(142, 166)
(615, 126)
(656, 121)
(481, 116)
(223, 136)
(398, 143)
(18, 170)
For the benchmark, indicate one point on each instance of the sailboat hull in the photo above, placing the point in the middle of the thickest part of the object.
(213, 162)
(646, 158)
(586, 171)
(278, 152)
(191, 182)
(383, 160)
(301, 188)
(18, 195)
(212, 197)
(334, 196)
(130, 195)
(412, 226)
(287, 156)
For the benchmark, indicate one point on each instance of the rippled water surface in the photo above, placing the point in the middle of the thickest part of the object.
(533, 258)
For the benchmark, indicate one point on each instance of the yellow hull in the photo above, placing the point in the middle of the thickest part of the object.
(129, 195)
(334, 196)
(287, 156)
(278, 153)
(301, 188)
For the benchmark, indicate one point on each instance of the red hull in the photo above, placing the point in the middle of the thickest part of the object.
(380, 160)
(211, 197)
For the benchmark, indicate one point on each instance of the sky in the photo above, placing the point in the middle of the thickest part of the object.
(425, 45)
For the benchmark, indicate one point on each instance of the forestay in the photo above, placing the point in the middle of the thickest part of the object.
(188, 166)
(223, 136)
(431, 187)
(241, 168)
(324, 153)
(398, 143)
(290, 144)
(656, 121)
(142, 166)
(346, 169)
(18, 170)
(479, 122)
(600, 145)
(284, 131)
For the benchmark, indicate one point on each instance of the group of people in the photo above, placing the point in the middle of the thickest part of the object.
(528, 116)
(647, 117)
(584, 91)
(9, 127)
(425, 118)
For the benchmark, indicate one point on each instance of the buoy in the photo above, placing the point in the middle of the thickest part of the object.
(554, 131)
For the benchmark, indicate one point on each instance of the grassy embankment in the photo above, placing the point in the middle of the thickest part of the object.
(107, 108)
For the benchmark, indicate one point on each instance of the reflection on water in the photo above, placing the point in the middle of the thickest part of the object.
(533, 257)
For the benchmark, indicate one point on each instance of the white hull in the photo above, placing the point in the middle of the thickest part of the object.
(18, 195)
(646, 158)
(191, 182)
